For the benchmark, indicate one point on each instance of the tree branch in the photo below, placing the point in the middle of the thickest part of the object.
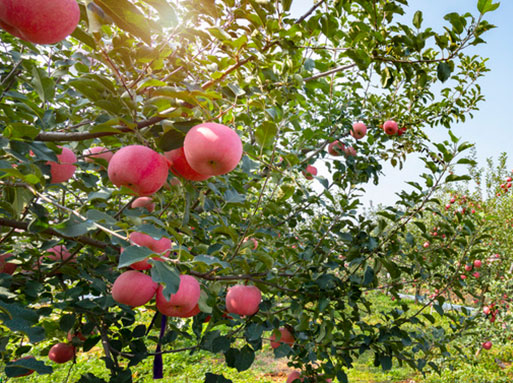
(82, 136)
(82, 239)
(310, 11)
(331, 71)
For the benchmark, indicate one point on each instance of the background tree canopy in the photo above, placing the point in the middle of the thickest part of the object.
(144, 73)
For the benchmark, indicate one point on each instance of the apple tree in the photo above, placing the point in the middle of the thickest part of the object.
(264, 246)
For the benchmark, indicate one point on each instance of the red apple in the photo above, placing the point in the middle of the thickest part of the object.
(75, 335)
(139, 168)
(309, 172)
(476, 274)
(146, 202)
(180, 167)
(349, 151)
(486, 310)
(336, 148)
(359, 130)
(212, 149)
(487, 345)
(156, 245)
(243, 300)
(183, 302)
(254, 240)
(477, 263)
(294, 376)
(64, 169)
(58, 253)
(39, 21)
(7, 267)
(468, 267)
(61, 352)
(97, 152)
(133, 288)
(195, 311)
(286, 338)
(390, 127)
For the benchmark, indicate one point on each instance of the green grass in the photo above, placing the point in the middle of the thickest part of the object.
(179, 367)
(490, 367)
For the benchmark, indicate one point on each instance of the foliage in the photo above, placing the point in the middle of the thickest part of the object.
(145, 72)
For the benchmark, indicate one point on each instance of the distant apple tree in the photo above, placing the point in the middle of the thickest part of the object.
(147, 72)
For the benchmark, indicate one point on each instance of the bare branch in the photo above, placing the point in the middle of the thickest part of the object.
(310, 11)
(331, 71)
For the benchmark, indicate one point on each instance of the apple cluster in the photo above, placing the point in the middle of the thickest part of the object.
(504, 187)
(134, 288)
(337, 148)
(466, 204)
(209, 149)
(358, 131)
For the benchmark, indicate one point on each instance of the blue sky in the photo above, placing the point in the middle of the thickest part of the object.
(491, 128)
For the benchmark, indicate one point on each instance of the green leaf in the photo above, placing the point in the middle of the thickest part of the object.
(286, 5)
(360, 57)
(265, 133)
(444, 71)
(214, 378)
(454, 178)
(369, 276)
(90, 378)
(128, 17)
(83, 37)
(221, 344)
(90, 342)
(170, 140)
(465, 146)
(19, 318)
(458, 22)
(467, 161)
(101, 195)
(240, 359)
(282, 350)
(42, 152)
(152, 230)
(253, 332)
(21, 366)
(161, 272)
(73, 227)
(100, 217)
(342, 376)
(237, 91)
(386, 362)
(484, 6)
(21, 130)
(438, 308)
(167, 13)
(67, 322)
(203, 303)
(43, 85)
(210, 260)
(22, 197)
(133, 254)
(417, 19)
(231, 196)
